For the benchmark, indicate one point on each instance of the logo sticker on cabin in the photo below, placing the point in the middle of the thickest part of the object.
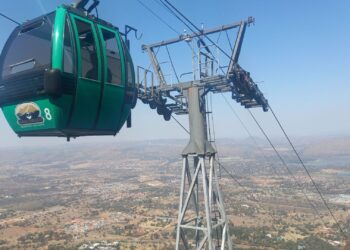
(28, 114)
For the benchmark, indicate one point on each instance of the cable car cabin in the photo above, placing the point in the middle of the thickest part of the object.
(66, 74)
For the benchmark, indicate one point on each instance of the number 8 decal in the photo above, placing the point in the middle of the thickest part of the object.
(48, 115)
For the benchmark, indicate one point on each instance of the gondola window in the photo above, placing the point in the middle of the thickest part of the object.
(88, 52)
(68, 50)
(30, 49)
(113, 57)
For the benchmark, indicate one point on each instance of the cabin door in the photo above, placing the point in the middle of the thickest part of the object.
(89, 76)
(114, 84)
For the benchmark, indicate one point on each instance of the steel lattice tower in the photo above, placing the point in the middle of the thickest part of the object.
(202, 221)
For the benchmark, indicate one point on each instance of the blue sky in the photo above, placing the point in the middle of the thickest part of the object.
(299, 49)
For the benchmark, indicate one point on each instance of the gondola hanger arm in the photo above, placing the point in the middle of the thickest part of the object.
(81, 4)
(128, 29)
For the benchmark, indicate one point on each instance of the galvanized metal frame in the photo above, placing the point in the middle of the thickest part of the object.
(201, 176)
(199, 181)
(236, 80)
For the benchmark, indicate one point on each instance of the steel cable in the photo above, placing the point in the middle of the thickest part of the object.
(308, 173)
(10, 19)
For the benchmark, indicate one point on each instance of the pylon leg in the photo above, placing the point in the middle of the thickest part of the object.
(203, 225)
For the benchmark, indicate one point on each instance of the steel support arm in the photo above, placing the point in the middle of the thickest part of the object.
(156, 65)
(237, 49)
(193, 35)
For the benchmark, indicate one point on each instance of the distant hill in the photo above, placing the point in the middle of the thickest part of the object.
(328, 147)
(308, 147)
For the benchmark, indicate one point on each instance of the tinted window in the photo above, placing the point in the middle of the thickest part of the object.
(88, 52)
(31, 48)
(130, 73)
(129, 67)
(67, 50)
(114, 72)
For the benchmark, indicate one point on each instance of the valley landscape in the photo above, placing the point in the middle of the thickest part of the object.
(125, 195)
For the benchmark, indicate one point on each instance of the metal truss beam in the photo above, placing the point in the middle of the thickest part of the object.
(194, 35)
(209, 228)
(237, 48)
(202, 225)
(236, 80)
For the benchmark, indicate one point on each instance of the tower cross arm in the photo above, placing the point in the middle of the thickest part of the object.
(198, 34)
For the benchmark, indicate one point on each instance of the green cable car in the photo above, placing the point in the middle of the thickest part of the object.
(66, 74)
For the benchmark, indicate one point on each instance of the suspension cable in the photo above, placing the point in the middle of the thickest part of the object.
(279, 156)
(220, 164)
(10, 19)
(308, 173)
(229, 41)
(182, 15)
(248, 192)
(232, 176)
(171, 8)
(247, 131)
(255, 199)
(161, 4)
(188, 132)
(316, 214)
(213, 126)
(168, 25)
(172, 64)
(285, 164)
(198, 30)
(157, 16)
(189, 27)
